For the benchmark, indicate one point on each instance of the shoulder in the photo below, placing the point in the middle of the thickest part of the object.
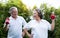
(31, 21)
(10, 17)
(44, 20)
(20, 17)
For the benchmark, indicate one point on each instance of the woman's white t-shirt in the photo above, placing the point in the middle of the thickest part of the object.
(39, 30)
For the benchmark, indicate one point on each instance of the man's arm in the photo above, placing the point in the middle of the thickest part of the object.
(24, 24)
(5, 27)
(6, 24)
(25, 30)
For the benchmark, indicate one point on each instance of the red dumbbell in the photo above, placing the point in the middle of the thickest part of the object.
(7, 21)
(52, 16)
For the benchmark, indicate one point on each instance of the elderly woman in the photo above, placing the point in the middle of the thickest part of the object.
(39, 27)
(14, 26)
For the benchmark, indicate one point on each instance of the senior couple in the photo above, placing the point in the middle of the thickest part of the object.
(39, 27)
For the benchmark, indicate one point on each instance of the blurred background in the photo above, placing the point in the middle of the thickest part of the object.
(25, 8)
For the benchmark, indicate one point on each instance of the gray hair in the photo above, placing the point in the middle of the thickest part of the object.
(10, 10)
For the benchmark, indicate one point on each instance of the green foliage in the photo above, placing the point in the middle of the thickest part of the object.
(23, 11)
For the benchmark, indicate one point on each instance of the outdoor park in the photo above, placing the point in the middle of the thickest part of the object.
(27, 12)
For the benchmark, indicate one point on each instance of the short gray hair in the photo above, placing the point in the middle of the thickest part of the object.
(10, 10)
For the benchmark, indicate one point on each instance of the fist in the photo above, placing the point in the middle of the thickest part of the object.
(52, 16)
(7, 21)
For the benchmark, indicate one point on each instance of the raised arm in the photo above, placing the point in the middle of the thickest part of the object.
(6, 24)
(52, 25)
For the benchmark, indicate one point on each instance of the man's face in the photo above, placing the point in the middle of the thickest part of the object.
(14, 13)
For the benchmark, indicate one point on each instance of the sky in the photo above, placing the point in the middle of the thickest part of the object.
(31, 3)
(3, 1)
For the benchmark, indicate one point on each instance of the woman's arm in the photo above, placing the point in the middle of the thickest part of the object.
(23, 33)
(53, 24)
(29, 35)
(25, 30)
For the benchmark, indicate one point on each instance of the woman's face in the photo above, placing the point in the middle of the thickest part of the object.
(35, 14)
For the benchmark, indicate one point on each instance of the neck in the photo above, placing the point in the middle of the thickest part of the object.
(38, 19)
(14, 17)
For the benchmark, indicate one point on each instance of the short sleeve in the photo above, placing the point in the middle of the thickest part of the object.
(28, 26)
(24, 23)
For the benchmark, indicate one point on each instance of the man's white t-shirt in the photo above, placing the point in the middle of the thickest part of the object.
(39, 30)
(15, 27)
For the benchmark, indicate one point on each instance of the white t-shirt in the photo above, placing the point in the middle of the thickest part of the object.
(15, 27)
(39, 30)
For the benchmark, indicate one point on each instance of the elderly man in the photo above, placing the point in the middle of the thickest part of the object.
(15, 24)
